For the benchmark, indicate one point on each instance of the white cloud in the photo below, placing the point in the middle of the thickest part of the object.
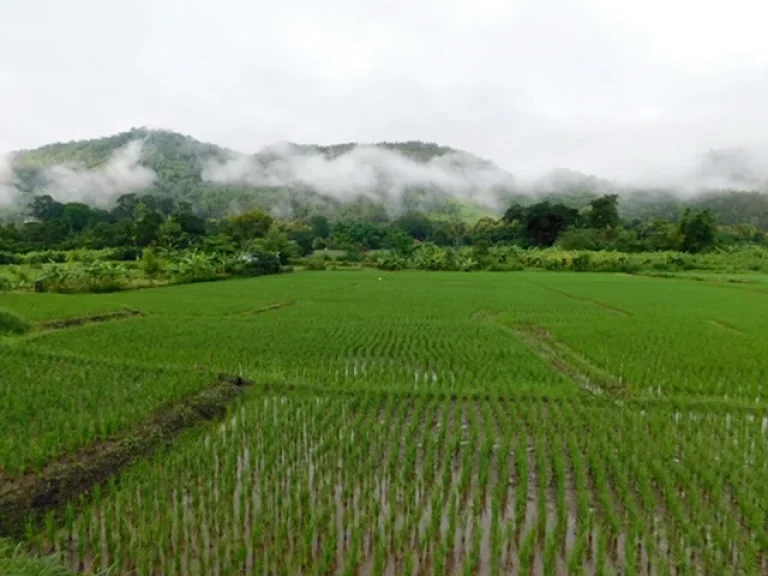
(99, 186)
(368, 171)
(8, 190)
(594, 85)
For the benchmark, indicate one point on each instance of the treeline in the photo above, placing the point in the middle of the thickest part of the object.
(596, 227)
(138, 222)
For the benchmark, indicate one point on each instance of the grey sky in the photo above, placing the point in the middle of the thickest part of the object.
(615, 87)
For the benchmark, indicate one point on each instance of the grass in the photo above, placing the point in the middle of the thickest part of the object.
(15, 562)
(454, 423)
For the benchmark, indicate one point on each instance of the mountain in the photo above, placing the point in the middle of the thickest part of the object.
(174, 159)
(374, 180)
(365, 181)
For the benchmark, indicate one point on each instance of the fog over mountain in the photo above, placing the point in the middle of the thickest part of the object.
(400, 176)
(632, 92)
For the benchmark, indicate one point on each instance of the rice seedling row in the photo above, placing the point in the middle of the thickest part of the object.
(450, 333)
(409, 424)
(54, 404)
(376, 485)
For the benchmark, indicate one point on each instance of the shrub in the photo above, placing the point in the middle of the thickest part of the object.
(123, 253)
(255, 263)
(44, 257)
(151, 264)
(8, 258)
(315, 264)
(350, 256)
(512, 266)
(581, 263)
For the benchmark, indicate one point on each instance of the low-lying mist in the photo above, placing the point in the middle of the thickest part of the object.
(100, 186)
(9, 193)
(394, 176)
(385, 175)
(363, 171)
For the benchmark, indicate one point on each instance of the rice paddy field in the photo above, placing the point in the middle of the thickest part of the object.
(397, 423)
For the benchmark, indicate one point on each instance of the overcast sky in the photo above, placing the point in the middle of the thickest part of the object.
(608, 86)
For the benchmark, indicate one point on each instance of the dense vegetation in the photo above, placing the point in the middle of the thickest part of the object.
(484, 423)
(158, 241)
(149, 220)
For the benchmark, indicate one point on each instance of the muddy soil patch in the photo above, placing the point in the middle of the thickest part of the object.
(69, 475)
(79, 321)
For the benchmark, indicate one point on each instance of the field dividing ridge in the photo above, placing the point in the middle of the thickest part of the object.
(601, 305)
(269, 308)
(567, 361)
(725, 326)
(63, 478)
(80, 320)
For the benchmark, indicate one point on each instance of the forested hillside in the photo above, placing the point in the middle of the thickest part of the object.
(178, 163)
(398, 205)
(453, 184)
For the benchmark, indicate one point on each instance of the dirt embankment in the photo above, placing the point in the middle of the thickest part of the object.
(72, 474)
(80, 320)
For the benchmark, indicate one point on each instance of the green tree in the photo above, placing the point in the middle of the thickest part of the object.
(359, 234)
(77, 217)
(659, 235)
(604, 212)
(277, 242)
(220, 243)
(416, 225)
(544, 222)
(126, 206)
(190, 224)
(148, 228)
(698, 230)
(151, 264)
(398, 241)
(246, 227)
(170, 235)
(582, 239)
(320, 227)
(515, 213)
(45, 208)
(303, 237)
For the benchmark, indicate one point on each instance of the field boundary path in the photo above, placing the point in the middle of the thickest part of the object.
(73, 474)
(602, 305)
(725, 326)
(567, 361)
(269, 308)
(95, 318)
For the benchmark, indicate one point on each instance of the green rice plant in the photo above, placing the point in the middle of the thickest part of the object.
(55, 404)
(429, 422)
